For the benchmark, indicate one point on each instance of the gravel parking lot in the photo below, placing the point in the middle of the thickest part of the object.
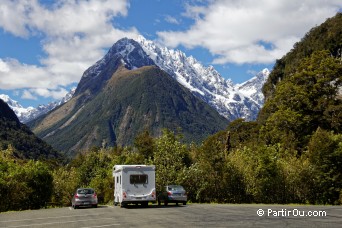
(191, 215)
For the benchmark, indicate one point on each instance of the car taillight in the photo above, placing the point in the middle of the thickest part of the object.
(169, 193)
(94, 195)
(153, 194)
(76, 196)
(124, 195)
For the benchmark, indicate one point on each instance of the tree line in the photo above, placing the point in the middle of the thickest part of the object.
(291, 154)
(209, 173)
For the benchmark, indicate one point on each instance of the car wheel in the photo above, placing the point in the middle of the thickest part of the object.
(75, 207)
(122, 205)
(184, 203)
(165, 203)
(159, 203)
(95, 206)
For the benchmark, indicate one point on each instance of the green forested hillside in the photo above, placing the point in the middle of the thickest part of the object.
(307, 100)
(25, 144)
(304, 91)
(327, 36)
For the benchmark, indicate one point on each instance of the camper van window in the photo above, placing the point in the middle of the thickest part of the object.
(138, 179)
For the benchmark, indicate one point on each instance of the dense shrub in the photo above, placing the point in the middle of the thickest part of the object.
(24, 184)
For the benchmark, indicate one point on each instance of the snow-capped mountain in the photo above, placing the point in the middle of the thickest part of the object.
(231, 101)
(30, 113)
(18, 109)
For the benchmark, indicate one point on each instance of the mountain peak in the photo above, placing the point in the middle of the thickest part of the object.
(266, 71)
(253, 87)
(124, 51)
(131, 53)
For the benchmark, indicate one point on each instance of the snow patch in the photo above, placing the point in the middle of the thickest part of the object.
(30, 113)
(231, 101)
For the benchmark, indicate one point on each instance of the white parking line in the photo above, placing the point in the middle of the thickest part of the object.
(53, 223)
(67, 216)
(102, 225)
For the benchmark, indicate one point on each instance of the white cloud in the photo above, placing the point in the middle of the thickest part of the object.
(13, 17)
(64, 18)
(234, 31)
(171, 20)
(75, 35)
(33, 94)
(17, 75)
(28, 95)
(54, 93)
(3, 67)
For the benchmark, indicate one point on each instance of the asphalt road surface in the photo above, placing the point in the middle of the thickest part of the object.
(191, 215)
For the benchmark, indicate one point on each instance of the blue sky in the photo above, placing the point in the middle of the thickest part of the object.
(45, 46)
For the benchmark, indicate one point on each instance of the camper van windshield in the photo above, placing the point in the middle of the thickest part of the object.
(138, 179)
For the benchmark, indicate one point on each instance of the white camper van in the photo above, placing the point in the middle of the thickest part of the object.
(134, 184)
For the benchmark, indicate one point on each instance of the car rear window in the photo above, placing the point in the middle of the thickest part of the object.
(138, 179)
(85, 191)
(175, 188)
